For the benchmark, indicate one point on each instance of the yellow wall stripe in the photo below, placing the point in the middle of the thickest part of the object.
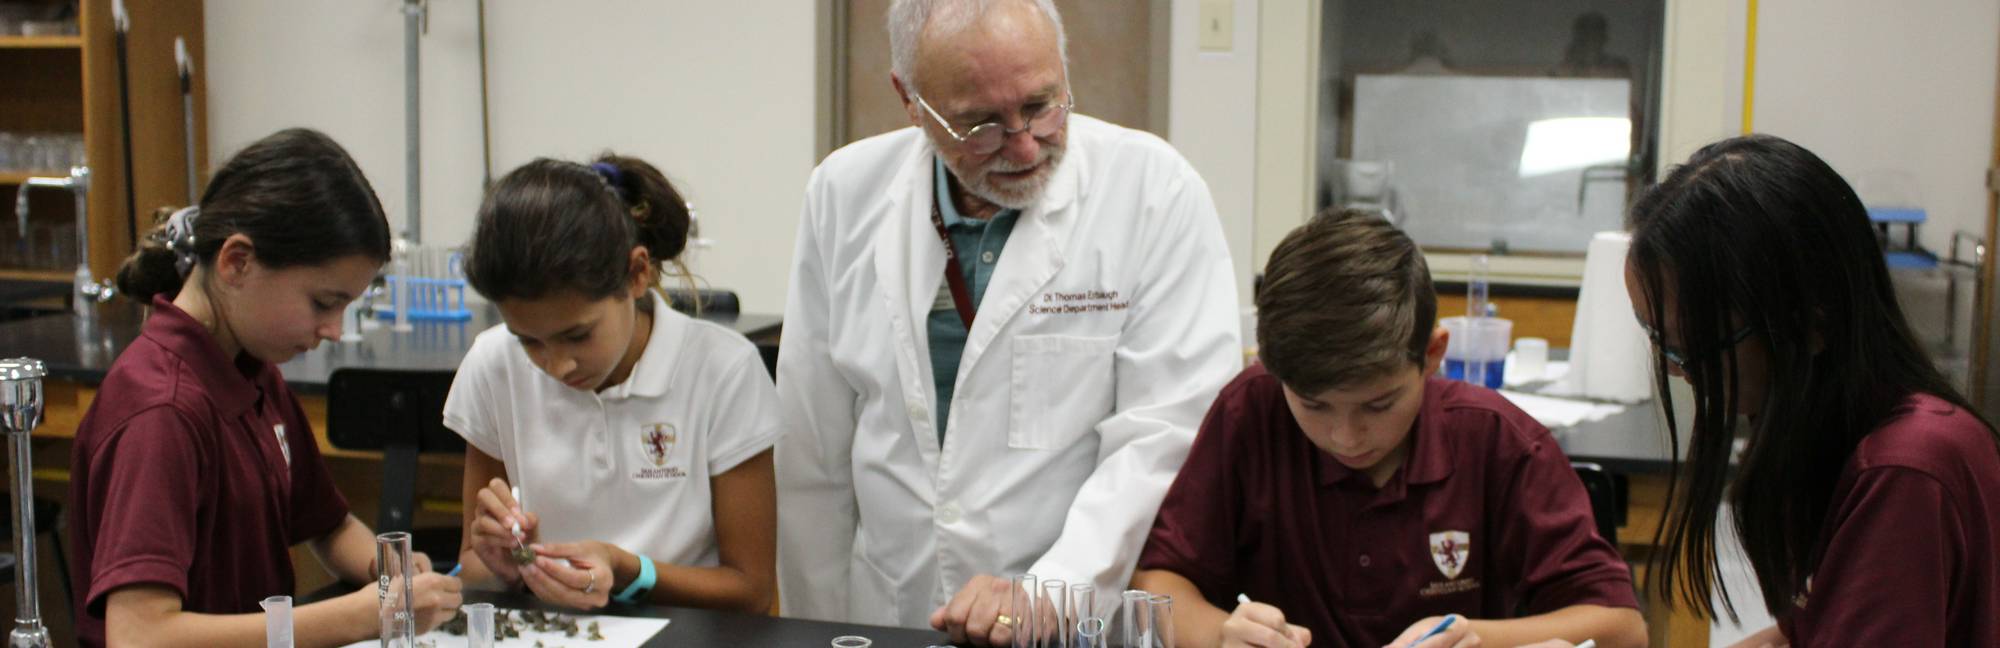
(1749, 66)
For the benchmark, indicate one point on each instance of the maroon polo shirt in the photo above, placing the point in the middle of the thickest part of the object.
(1906, 554)
(1486, 519)
(178, 479)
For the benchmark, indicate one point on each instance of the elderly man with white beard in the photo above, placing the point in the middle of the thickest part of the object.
(1004, 325)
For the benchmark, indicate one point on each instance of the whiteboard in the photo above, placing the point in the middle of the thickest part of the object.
(1465, 172)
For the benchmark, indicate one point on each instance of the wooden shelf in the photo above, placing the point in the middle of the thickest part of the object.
(41, 42)
(24, 274)
(11, 178)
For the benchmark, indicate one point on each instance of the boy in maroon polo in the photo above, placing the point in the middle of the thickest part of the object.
(1356, 499)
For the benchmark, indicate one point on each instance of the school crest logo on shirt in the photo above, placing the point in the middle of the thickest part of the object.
(656, 444)
(1449, 549)
(657, 441)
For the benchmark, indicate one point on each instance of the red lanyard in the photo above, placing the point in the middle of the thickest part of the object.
(961, 296)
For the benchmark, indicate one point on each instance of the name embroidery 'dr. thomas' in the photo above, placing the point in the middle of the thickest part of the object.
(656, 444)
(1057, 302)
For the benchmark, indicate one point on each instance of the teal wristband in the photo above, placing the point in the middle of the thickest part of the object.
(642, 585)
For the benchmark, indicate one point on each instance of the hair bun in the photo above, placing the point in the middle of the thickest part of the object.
(149, 271)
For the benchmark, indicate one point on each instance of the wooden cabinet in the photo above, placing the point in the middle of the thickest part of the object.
(69, 84)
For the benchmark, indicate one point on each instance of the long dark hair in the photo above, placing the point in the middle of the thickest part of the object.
(1756, 232)
(552, 226)
(296, 194)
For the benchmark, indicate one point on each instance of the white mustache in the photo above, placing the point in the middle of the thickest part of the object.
(1003, 165)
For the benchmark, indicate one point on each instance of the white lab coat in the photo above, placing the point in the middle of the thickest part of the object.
(1107, 328)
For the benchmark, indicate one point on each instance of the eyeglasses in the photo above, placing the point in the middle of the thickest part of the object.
(1679, 359)
(986, 138)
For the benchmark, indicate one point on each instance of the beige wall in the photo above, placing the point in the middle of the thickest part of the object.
(1287, 121)
(719, 95)
(1212, 119)
(1111, 64)
(723, 96)
(1896, 96)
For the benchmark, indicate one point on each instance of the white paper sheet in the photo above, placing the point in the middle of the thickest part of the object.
(619, 632)
(1556, 413)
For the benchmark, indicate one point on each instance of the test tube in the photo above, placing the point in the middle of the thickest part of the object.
(479, 625)
(1055, 602)
(1135, 623)
(277, 622)
(401, 264)
(1082, 606)
(396, 596)
(1023, 611)
(1089, 633)
(1160, 609)
(1475, 312)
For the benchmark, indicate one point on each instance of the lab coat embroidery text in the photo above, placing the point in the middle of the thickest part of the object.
(1075, 303)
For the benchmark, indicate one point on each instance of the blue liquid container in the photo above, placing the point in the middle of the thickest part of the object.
(1496, 371)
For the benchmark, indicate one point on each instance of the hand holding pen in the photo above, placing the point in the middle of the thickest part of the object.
(1261, 626)
(1450, 631)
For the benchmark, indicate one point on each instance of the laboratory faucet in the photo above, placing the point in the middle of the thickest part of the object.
(20, 414)
(88, 292)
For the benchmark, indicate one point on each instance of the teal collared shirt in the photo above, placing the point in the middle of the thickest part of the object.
(979, 244)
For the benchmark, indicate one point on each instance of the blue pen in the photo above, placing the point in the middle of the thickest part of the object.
(1439, 629)
(455, 569)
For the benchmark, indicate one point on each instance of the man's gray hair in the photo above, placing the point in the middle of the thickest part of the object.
(909, 18)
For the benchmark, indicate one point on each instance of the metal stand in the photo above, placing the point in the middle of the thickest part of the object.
(20, 414)
(416, 22)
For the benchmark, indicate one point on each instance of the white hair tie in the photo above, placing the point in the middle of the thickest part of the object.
(179, 237)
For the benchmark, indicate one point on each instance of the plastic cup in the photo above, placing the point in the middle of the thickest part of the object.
(1531, 357)
(1477, 351)
(277, 621)
(479, 625)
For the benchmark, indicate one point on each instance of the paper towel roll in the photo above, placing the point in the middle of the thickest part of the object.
(1609, 356)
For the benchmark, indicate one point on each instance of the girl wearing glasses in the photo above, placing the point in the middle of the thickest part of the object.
(638, 439)
(1867, 497)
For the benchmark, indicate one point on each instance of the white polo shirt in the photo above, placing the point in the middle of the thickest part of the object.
(630, 465)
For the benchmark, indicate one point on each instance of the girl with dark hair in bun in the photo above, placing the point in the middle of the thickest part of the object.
(638, 439)
(195, 470)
